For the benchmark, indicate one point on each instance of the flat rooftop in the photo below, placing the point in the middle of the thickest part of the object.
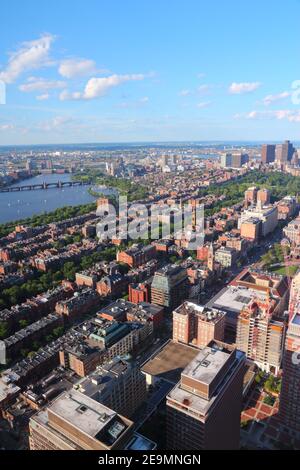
(192, 402)
(170, 361)
(206, 365)
(82, 412)
(233, 299)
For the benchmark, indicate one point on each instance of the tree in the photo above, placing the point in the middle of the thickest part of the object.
(23, 323)
(69, 271)
(58, 331)
(4, 330)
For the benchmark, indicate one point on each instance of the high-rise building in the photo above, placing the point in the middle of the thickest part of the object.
(169, 286)
(294, 303)
(226, 160)
(75, 421)
(239, 159)
(268, 153)
(260, 335)
(203, 409)
(263, 196)
(284, 152)
(289, 409)
(251, 195)
(196, 324)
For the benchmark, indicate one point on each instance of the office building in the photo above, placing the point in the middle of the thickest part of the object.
(169, 286)
(268, 153)
(226, 160)
(203, 409)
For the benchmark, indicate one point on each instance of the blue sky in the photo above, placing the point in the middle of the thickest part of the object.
(149, 70)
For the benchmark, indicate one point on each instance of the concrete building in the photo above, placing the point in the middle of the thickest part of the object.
(76, 422)
(203, 409)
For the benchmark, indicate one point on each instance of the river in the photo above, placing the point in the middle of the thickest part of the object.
(19, 205)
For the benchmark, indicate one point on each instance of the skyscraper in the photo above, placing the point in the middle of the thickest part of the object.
(289, 409)
(203, 409)
(284, 152)
(268, 153)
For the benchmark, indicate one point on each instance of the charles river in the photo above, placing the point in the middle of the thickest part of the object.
(22, 204)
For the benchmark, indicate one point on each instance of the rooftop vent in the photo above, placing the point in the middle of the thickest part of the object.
(205, 363)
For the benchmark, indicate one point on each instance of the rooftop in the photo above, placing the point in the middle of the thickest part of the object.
(204, 313)
(87, 415)
(213, 368)
(170, 361)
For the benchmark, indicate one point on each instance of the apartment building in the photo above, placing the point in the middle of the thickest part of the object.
(198, 325)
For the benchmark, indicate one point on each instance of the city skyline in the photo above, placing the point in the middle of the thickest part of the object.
(122, 73)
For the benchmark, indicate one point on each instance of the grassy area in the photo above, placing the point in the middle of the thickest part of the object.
(286, 270)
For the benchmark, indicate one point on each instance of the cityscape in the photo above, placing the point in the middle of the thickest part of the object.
(149, 281)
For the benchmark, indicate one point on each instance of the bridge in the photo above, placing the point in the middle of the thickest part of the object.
(44, 185)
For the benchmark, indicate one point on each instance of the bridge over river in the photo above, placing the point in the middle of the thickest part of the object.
(44, 185)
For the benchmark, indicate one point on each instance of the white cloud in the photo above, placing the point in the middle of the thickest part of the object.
(56, 123)
(244, 87)
(280, 114)
(6, 127)
(43, 97)
(97, 87)
(144, 99)
(204, 88)
(31, 55)
(203, 104)
(41, 84)
(185, 92)
(71, 68)
(269, 99)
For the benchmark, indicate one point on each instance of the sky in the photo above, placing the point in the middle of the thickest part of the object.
(149, 70)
